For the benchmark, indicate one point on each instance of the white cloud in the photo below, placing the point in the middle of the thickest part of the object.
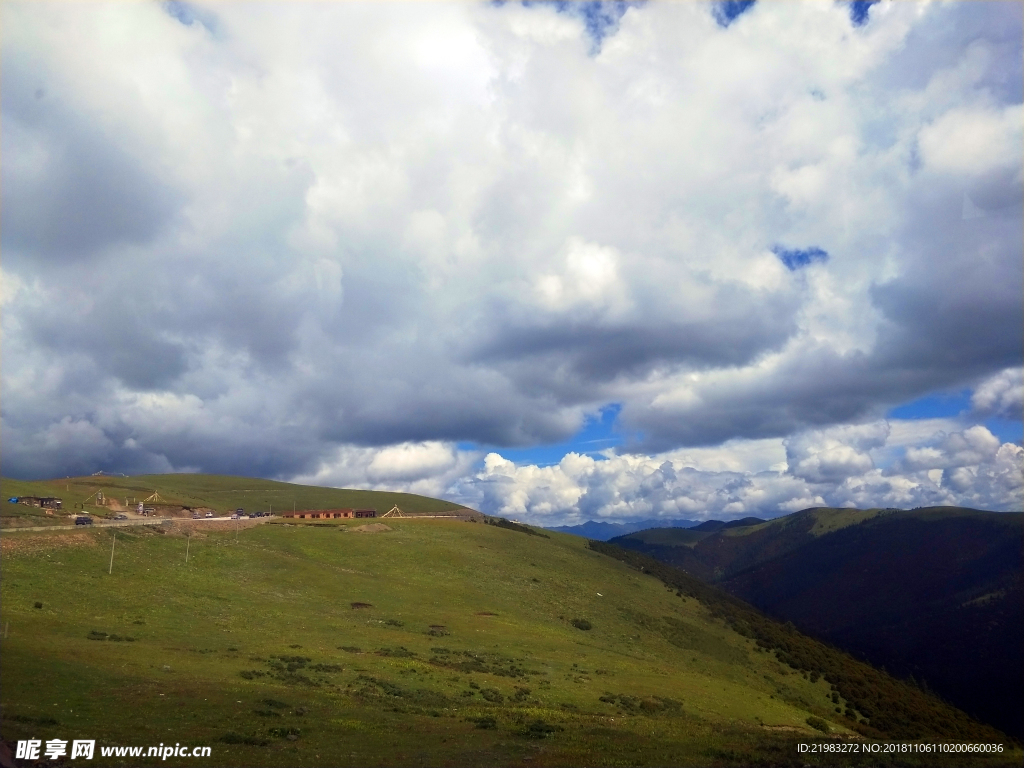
(430, 468)
(974, 141)
(1001, 395)
(832, 467)
(335, 241)
(835, 454)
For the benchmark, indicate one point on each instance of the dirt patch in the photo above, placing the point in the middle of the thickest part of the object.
(485, 613)
(357, 606)
(784, 728)
(197, 528)
(26, 544)
(372, 528)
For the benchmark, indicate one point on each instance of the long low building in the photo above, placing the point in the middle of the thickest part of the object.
(46, 502)
(330, 514)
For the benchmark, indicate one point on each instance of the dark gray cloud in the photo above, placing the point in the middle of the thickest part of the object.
(334, 242)
(71, 187)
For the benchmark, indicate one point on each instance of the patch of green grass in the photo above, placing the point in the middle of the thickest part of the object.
(531, 676)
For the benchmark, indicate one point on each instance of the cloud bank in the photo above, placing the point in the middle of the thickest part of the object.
(357, 243)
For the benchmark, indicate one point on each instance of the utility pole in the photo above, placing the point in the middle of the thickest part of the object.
(188, 541)
(111, 570)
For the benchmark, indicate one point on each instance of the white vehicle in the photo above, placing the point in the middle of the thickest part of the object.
(209, 514)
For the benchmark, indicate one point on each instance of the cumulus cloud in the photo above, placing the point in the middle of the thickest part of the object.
(430, 468)
(1001, 395)
(836, 454)
(842, 467)
(351, 243)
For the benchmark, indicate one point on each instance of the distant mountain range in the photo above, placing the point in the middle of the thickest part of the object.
(932, 595)
(599, 531)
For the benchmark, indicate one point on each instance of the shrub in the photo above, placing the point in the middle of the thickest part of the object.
(538, 729)
(582, 624)
(521, 694)
(401, 652)
(235, 738)
(818, 724)
(285, 733)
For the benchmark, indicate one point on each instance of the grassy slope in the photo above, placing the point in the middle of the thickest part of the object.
(221, 493)
(932, 592)
(280, 590)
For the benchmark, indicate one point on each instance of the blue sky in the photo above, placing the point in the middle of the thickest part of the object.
(584, 261)
(957, 405)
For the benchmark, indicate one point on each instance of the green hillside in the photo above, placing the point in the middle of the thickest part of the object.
(425, 642)
(220, 493)
(932, 594)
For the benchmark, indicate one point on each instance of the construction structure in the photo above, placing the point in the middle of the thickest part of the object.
(396, 512)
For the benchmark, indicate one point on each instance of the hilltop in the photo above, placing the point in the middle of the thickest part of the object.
(933, 595)
(600, 530)
(178, 494)
(429, 641)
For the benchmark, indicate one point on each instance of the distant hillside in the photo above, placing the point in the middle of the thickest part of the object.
(934, 594)
(219, 493)
(601, 531)
(423, 642)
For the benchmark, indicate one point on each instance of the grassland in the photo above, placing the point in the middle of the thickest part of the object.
(219, 493)
(933, 595)
(431, 643)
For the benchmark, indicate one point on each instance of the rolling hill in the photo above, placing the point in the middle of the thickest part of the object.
(180, 493)
(602, 531)
(933, 595)
(427, 642)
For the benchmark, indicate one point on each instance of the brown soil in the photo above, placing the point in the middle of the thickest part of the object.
(372, 528)
(198, 528)
(27, 543)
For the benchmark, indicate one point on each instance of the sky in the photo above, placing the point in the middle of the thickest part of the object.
(555, 261)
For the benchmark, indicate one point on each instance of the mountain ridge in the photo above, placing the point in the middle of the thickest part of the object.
(932, 594)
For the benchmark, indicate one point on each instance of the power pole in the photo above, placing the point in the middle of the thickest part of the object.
(111, 569)
(188, 541)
